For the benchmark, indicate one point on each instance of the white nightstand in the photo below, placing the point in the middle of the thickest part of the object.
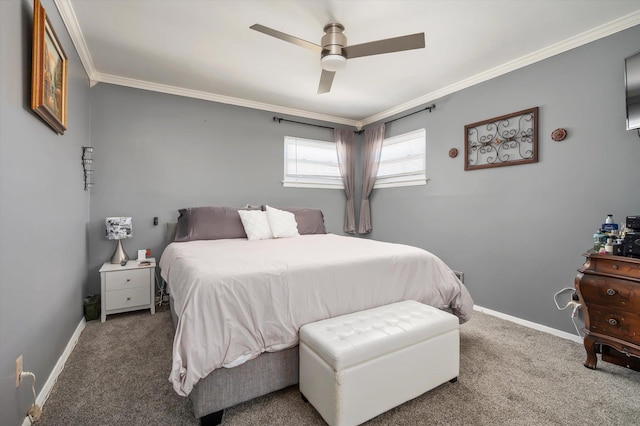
(127, 288)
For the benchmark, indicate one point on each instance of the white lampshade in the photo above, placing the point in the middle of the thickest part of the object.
(333, 62)
(118, 228)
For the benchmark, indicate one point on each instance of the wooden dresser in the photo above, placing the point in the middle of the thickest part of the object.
(609, 290)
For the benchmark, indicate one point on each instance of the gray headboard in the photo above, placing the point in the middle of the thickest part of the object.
(171, 232)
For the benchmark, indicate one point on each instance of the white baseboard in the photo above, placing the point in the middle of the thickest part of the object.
(530, 324)
(57, 369)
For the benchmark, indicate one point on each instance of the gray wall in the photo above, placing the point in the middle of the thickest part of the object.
(157, 153)
(43, 213)
(518, 232)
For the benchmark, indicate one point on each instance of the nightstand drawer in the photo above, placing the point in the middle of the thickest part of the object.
(119, 299)
(118, 280)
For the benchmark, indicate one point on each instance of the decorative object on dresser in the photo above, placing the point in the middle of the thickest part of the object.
(632, 238)
(119, 228)
(609, 290)
(127, 288)
(48, 73)
(502, 141)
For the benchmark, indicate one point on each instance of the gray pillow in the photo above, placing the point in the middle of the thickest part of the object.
(310, 221)
(209, 223)
(171, 232)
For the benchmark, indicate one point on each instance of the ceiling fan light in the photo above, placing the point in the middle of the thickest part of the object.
(333, 62)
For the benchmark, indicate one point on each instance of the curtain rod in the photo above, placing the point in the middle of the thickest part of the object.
(433, 106)
(280, 119)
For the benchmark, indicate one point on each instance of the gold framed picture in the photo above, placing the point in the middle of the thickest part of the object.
(48, 72)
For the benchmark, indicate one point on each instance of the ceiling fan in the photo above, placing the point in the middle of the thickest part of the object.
(334, 51)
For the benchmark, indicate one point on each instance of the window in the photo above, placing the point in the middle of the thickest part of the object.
(311, 164)
(403, 160)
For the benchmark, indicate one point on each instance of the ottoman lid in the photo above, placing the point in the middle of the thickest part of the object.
(354, 338)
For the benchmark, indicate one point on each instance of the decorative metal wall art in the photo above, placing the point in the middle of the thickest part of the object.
(502, 141)
(87, 162)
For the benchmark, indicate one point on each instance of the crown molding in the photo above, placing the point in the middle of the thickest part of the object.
(196, 94)
(73, 27)
(594, 34)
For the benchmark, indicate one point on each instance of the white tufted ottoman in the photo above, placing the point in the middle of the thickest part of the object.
(359, 365)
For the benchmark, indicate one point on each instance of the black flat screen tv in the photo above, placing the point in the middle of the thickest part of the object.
(632, 85)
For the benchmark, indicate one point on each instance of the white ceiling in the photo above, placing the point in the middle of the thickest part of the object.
(205, 49)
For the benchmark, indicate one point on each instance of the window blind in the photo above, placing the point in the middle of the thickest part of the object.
(403, 160)
(311, 163)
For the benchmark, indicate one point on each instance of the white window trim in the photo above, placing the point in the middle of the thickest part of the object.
(307, 182)
(414, 180)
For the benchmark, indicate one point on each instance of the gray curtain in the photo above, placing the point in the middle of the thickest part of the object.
(373, 138)
(346, 161)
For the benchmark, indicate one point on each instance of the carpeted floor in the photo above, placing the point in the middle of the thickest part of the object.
(509, 375)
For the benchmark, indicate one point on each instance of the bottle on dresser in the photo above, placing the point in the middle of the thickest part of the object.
(608, 247)
(609, 225)
(598, 240)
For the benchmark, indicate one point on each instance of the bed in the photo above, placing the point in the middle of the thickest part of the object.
(238, 304)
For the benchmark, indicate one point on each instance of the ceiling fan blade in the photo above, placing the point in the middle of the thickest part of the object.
(286, 37)
(326, 79)
(389, 45)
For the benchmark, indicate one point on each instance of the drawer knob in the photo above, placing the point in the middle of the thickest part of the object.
(613, 321)
(128, 279)
(614, 266)
(611, 292)
(128, 298)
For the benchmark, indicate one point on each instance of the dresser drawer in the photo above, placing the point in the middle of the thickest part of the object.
(613, 265)
(612, 292)
(118, 280)
(127, 298)
(624, 325)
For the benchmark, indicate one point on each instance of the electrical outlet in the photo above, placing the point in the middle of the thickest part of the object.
(18, 370)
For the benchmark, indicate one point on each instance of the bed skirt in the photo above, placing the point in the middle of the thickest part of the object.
(226, 387)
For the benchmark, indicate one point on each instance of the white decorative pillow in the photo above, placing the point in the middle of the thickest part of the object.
(255, 224)
(283, 224)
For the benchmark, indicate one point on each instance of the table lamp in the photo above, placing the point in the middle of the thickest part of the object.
(119, 228)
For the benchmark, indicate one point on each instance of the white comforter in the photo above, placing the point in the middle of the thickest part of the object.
(237, 298)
